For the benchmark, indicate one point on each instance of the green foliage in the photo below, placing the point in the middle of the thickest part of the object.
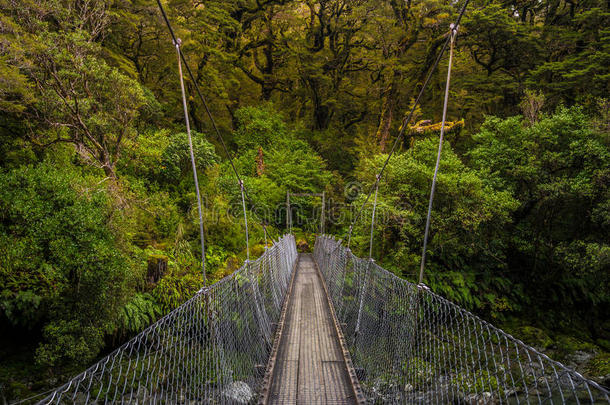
(557, 169)
(293, 164)
(534, 336)
(564, 346)
(522, 210)
(478, 381)
(419, 371)
(215, 257)
(468, 219)
(258, 126)
(69, 342)
(60, 265)
(139, 312)
(78, 97)
(599, 365)
(21, 307)
(176, 160)
(501, 50)
(288, 164)
(580, 69)
(144, 154)
(174, 290)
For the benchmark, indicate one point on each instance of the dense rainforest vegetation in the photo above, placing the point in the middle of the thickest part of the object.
(96, 185)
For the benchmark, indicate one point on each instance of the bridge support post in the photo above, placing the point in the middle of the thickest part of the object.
(288, 213)
(362, 294)
(373, 217)
(322, 214)
(243, 204)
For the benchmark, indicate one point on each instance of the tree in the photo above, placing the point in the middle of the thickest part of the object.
(466, 258)
(290, 163)
(80, 99)
(558, 170)
(61, 269)
(263, 53)
(577, 64)
(328, 54)
(176, 163)
(397, 28)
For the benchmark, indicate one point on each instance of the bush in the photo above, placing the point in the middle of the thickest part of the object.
(465, 247)
(558, 169)
(258, 126)
(138, 313)
(176, 158)
(60, 268)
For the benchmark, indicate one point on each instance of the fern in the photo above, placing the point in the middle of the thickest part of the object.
(138, 313)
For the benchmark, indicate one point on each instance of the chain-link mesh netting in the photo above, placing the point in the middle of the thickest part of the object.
(410, 345)
(211, 349)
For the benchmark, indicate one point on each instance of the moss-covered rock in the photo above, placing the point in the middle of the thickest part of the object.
(599, 365)
(534, 336)
(570, 344)
(573, 350)
(418, 371)
(481, 381)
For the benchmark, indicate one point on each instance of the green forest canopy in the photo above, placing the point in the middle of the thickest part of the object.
(95, 180)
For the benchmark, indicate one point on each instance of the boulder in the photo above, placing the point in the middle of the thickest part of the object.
(238, 392)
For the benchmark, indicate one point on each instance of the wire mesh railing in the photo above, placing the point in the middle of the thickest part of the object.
(211, 349)
(409, 345)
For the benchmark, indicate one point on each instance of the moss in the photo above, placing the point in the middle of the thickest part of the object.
(603, 343)
(534, 336)
(572, 344)
(481, 381)
(425, 127)
(420, 372)
(156, 257)
(599, 365)
(566, 345)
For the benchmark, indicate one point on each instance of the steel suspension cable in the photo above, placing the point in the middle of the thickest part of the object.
(438, 156)
(406, 120)
(208, 112)
(188, 132)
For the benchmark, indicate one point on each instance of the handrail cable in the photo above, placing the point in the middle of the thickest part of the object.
(406, 121)
(209, 113)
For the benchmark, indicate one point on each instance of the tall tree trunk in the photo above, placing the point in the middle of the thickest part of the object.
(108, 166)
(387, 108)
(266, 89)
(260, 162)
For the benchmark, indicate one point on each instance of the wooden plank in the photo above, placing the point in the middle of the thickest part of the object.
(266, 386)
(358, 396)
(310, 367)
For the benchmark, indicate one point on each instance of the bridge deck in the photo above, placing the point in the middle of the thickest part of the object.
(310, 366)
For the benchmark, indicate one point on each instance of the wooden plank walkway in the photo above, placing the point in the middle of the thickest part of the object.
(310, 365)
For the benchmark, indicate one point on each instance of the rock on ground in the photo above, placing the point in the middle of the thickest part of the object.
(238, 392)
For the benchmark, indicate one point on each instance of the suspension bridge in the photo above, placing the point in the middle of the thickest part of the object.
(323, 328)
(327, 328)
